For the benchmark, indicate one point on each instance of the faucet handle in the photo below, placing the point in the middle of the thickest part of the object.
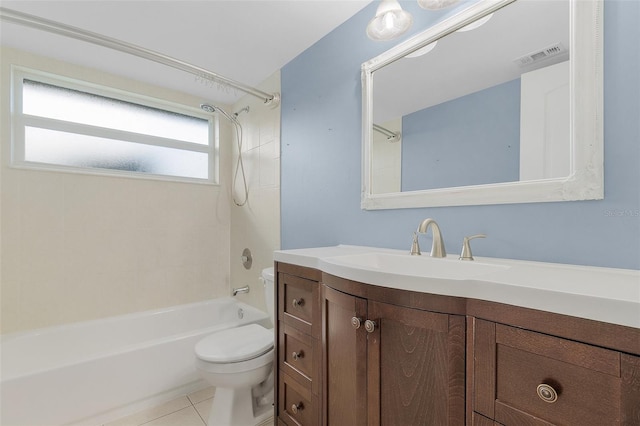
(415, 247)
(466, 247)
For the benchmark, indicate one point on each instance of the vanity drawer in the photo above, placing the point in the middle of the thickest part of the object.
(300, 303)
(297, 353)
(541, 378)
(297, 404)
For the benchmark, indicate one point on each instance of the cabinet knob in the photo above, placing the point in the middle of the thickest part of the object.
(297, 407)
(369, 326)
(297, 355)
(298, 303)
(547, 393)
(356, 322)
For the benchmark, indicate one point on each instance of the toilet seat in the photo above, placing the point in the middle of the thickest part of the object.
(235, 344)
(235, 350)
(236, 367)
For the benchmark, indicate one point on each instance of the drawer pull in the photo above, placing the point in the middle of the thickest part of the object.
(297, 355)
(547, 393)
(298, 303)
(297, 407)
(370, 326)
(356, 322)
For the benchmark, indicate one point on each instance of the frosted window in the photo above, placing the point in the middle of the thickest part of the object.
(45, 100)
(69, 149)
(68, 125)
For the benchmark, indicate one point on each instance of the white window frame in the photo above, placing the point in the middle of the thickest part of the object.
(20, 121)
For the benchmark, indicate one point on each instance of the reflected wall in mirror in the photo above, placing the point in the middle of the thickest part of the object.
(499, 104)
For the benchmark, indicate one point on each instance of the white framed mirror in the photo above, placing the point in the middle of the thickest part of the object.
(507, 112)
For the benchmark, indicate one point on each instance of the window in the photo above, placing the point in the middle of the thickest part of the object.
(63, 124)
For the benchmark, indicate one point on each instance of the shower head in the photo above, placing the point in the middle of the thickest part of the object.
(212, 108)
(208, 108)
(239, 165)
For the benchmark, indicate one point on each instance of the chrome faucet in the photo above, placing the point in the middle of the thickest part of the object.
(239, 290)
(437, 248)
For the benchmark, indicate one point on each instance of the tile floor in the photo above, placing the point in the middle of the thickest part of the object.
(189, 410)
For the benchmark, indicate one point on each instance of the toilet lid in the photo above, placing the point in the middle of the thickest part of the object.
(235, 344)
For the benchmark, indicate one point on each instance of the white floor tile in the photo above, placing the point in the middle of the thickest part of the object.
(268, 422)
(190, 410)
(201, 395)
(185, 417)
(152, 413)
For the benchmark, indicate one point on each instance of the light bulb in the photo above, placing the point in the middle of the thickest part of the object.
(390, 21)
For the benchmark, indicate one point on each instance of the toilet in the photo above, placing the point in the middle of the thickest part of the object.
(239, 363)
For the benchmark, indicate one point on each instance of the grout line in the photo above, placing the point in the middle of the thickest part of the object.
(197, 412)
(192, 404)
(153, 420)
(173, 412)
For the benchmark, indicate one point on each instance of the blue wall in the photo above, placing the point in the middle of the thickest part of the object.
(471, 140)
(320, 161)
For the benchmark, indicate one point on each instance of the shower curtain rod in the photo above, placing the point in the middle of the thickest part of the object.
(122, 46)
(391, 136)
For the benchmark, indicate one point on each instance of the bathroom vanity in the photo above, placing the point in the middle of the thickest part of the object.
(360, 342)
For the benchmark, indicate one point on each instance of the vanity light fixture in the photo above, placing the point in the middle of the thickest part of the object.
(390, 21)
(475, 24)
(436, 4)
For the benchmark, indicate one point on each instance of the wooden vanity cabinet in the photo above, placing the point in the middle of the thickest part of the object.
(354, 354)
(387, 364)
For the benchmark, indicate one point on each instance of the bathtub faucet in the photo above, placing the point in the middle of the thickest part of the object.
(237, 290)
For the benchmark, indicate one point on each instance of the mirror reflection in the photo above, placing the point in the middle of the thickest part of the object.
(486, 104)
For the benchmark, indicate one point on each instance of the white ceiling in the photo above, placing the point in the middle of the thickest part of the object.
(240, 39)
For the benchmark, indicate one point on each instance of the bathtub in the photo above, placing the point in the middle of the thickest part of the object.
(96, 371)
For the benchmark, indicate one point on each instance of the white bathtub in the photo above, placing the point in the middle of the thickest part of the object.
(95, 371)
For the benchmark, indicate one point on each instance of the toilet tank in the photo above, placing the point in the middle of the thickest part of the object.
(268, 280)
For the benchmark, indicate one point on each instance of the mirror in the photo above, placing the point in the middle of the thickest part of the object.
(501, 103)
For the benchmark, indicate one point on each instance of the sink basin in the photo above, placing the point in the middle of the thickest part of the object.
(415, 266)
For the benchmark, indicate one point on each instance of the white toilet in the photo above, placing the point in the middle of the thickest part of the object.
(239, 363)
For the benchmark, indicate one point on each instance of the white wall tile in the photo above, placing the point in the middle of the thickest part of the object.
(78, 247)
(267, 165)
(257, 225)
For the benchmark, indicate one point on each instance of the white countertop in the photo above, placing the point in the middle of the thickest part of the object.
(601, 294)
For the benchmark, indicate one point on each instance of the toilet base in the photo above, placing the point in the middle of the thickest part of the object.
(238, 407)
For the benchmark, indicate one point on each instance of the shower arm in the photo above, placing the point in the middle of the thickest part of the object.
(272, 99)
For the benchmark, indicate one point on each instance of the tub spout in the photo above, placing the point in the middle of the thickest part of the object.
(237, 290)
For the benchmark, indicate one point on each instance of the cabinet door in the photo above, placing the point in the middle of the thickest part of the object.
(345, 359)
(416, 367)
